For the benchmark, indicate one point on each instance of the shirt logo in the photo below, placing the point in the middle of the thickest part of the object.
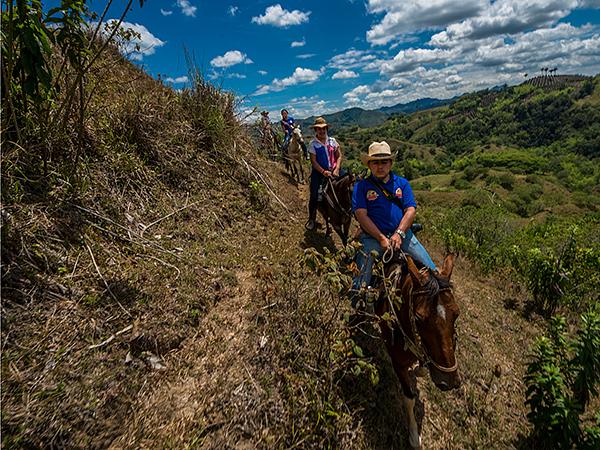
(372, 195)
(399, 193)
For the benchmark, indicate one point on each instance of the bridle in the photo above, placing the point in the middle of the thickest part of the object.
(416, 346)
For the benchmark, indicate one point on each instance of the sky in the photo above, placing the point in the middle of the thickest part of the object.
(320, 56)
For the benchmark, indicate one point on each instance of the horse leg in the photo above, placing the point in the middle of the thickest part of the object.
(413, 430)
(301, 169)
(410, 394)
(328, 229)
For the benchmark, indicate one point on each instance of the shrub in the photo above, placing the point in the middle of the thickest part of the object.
(559, 267)
(460, 183)
(562, 376)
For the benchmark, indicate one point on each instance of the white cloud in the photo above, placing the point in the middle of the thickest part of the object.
(233, 10)
(231, 58)
(143, 44)
(178, 80)
(344, 74)
(352, 59)
(410, 58)
(410, 16)
(453, 79)
(300, 76)
(475, 65)
(506, 17)
(301, 43)
(278, 17)
(353, 95)
(187, 8)
(263, 72)
(305, 55)
(239, 76)
(591, 4)
(166, 12)
(309, 106)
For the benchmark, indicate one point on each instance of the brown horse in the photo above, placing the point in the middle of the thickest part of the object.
(421, 329)
(336, 205)
(292, 156)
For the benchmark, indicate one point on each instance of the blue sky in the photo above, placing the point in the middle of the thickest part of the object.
(315, 57)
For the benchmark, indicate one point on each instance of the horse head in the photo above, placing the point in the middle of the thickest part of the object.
(297, 133)
(336, 206)
(433, 313)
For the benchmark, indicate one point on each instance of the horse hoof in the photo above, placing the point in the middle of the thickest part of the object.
(414, 440)
(420, 371)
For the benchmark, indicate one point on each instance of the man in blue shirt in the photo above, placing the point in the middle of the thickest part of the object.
(385, 208)
(287, 123)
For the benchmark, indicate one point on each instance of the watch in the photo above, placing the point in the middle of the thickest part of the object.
(401, 233)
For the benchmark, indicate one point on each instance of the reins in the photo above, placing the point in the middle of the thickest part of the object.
(416, 346)
(337, 206)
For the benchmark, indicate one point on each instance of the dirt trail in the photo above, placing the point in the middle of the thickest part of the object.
(214, 371)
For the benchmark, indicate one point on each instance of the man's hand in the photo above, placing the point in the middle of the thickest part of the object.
(336, 172)
(327, 173)
(396, 241)
(384, 242)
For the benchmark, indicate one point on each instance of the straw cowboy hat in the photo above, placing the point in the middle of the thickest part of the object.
(319, 123)
(378, 150)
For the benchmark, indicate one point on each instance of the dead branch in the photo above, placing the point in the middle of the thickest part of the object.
(111, 338)
(145, 227)
(254, 171)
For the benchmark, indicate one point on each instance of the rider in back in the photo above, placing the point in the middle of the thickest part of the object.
(326, 160)
(287, 123)
(385, 208)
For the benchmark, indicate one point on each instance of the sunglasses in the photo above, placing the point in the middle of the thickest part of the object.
(381, 162)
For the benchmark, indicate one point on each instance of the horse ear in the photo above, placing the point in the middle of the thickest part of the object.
(447, 266)
(418, 276)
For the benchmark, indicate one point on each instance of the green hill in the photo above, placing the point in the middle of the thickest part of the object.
(546, 128)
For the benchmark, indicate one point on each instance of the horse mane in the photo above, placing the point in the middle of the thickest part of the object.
(435, 283)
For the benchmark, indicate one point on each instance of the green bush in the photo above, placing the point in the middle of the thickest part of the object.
(561, 378)
(560, 265)
(479, 232)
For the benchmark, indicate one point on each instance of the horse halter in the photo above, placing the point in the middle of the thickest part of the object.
(425, 358)
(416, 347)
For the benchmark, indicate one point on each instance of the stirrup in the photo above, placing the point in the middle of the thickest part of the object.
(310, 225)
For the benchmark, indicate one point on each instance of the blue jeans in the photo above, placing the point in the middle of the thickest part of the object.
(286, 140)
(316, 180)
(364, 260)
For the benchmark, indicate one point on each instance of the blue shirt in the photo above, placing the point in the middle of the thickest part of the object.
(290, 122)
(385, 214)
(326, 154)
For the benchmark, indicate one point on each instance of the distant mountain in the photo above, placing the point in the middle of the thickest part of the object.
(353, 116)
(416, 105)
(366, 118)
